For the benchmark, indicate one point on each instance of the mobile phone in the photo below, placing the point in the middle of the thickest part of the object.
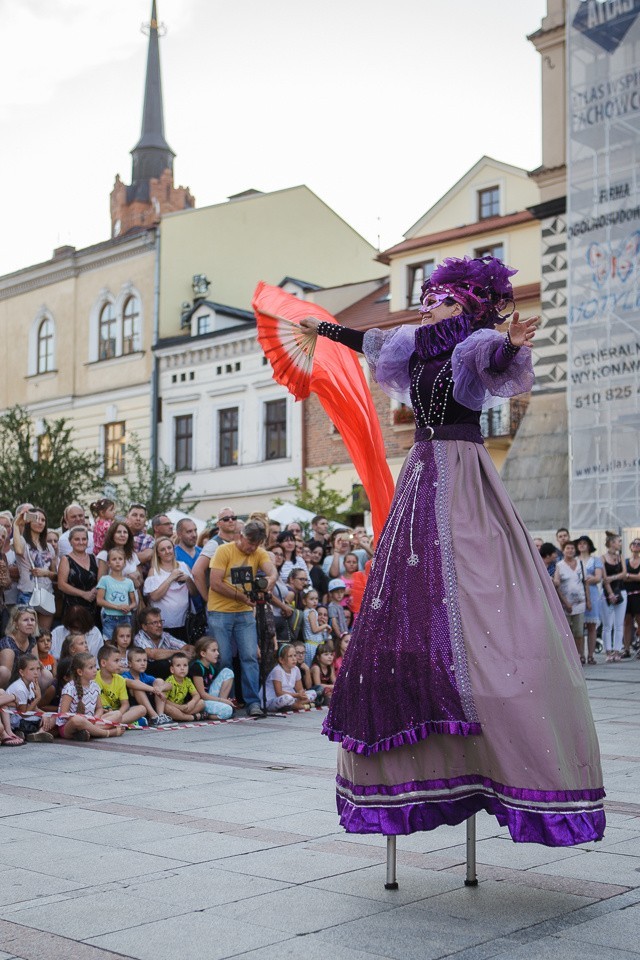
(30, 516)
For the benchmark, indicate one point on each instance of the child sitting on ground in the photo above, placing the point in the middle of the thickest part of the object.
(7, 737)
(147, 691)
(343, 643)
(26, 690)
(80, 704)
(122, 640)
(113, 688)
(283, 686)
(305, 671)
(43, 643)
(212, 684)
(322, 672)
(183, 700)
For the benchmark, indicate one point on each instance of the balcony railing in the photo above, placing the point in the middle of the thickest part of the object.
(503, 421)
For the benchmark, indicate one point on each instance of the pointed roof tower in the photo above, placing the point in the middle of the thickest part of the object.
(152, 155)
(151, 193)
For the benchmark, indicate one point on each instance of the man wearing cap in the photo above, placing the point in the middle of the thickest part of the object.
(231, 611)
(337, 618)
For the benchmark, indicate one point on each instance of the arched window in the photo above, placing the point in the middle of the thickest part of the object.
(131, 326)
(45, 346)
(107, 332)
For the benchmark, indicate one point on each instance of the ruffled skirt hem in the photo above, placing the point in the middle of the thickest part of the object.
(559, 828)
(403, 738)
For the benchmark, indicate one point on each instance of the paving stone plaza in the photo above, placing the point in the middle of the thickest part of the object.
(223, 841)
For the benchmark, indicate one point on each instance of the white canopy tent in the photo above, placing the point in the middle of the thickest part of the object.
(288, 513)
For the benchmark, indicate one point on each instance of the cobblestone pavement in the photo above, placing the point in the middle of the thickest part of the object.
(222, 841)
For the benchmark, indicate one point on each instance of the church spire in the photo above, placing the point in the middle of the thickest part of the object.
(151, 193)
(152, 154)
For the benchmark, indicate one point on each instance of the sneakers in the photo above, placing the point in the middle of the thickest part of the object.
(160, 721)
(139, 724)
(254, 710)
(39, 737)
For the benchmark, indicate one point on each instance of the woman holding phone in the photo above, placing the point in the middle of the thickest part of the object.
(169, 586)
(35, 558)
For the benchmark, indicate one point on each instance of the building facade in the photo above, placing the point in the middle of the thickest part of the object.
(491, 202)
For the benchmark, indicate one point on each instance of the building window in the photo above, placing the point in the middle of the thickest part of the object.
(205, 323)
(114, 448)
(275, 430)
(107, 333)
(228, 437)
(488, 203)
(45, 346)
(417, 274)
(43, 447)
(183, 442)
(131, 326)
(492, 250)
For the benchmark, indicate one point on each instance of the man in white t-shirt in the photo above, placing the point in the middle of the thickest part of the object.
(73, 516)
(227, 533)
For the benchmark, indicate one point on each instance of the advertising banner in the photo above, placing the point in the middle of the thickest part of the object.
(603, 246)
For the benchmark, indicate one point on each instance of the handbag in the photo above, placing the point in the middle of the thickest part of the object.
(295, 623)
(42, 601)
(196, 623)
(587, 592)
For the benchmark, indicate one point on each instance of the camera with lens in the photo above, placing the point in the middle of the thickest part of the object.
(254, 587)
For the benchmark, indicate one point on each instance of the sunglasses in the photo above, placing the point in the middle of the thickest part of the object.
(231, 516)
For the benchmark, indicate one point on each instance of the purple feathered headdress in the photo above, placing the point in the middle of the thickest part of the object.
(480, 285)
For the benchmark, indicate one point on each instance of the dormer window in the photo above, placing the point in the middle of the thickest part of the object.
(488, 203)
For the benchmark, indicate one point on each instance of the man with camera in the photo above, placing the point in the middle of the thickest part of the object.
(231, 608)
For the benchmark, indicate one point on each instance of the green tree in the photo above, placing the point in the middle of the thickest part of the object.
(317, 496)
(46, 470)
(158, 490)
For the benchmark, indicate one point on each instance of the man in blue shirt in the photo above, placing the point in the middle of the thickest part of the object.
(187, 551)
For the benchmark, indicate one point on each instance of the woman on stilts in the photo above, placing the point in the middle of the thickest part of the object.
(461, 688)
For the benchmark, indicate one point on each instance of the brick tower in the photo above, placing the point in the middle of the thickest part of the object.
(151, 193)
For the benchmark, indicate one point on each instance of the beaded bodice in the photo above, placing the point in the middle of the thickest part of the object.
(431, 393)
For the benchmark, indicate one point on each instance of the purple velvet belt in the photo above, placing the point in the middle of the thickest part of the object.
(450, 431)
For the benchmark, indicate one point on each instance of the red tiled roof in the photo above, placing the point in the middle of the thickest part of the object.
(457, 233)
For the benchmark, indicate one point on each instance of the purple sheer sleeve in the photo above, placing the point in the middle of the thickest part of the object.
(475, 376)
(387, 353)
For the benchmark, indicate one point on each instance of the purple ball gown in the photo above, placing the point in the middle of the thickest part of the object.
(461, 689)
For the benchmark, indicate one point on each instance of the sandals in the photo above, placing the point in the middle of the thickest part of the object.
(582, 660)
(592, 661)
(12, 741)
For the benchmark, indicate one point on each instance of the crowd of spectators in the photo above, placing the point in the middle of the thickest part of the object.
(119, 621)
(599, 594)
(115, 621)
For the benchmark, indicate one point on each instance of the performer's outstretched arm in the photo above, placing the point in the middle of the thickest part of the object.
(350, 338)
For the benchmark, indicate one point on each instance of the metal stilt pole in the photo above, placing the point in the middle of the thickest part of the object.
(471, 878)
(392, 882)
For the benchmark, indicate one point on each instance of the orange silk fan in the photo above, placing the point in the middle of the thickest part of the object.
(307, 364)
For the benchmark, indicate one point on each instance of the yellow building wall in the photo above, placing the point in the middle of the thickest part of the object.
(521, 251)
(261, 237)
(460, 206)
(87, 394)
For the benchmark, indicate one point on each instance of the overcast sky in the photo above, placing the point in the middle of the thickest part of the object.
(378, 106)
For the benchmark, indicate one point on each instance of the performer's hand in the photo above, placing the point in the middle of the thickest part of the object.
(310, 324)
(522, 332)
